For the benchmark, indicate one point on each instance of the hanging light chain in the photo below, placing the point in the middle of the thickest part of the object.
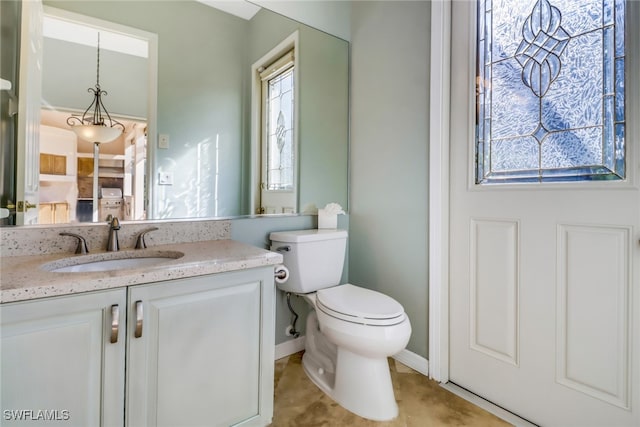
(98, 62)
(97, 105)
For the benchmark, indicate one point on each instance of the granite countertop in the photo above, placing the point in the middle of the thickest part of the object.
(23, 277)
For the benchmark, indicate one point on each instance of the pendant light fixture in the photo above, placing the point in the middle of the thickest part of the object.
(97, 126)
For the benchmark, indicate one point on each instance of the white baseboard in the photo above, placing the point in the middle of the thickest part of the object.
(414, 361)
(289, 347)
(406, 357)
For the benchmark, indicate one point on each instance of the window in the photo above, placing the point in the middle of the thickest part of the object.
(550, 102)
(278, 125)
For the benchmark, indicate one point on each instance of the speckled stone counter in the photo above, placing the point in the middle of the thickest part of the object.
(46, 239)
(23, 277)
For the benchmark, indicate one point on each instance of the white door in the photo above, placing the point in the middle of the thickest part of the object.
(544, 276)
(29, 93)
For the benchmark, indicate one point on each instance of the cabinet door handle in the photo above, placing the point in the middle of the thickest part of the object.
(115, 323)
(139, 318)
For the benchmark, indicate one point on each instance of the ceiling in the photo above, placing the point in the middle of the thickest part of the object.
(241, 8)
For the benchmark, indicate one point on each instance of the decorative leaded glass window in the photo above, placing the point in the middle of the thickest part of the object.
(550, 91)
(278, 90)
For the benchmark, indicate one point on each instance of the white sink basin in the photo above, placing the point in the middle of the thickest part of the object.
(111, 261)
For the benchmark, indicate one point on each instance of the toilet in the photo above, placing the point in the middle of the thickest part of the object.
(351, 331)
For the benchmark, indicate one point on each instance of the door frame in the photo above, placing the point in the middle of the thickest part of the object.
(439, 119)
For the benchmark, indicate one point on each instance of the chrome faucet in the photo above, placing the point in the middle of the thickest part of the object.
(141, 243)
(112, 243)
(82, 243)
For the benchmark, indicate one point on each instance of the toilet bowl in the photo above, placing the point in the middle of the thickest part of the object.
(351, 331)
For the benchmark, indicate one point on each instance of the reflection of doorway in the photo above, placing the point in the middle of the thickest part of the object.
(68, 65)
(65, 79)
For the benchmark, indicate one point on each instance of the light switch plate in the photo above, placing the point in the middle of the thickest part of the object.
(163, 140)
(165, 178)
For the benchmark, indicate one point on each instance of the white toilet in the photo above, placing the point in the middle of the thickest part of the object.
(352, 330)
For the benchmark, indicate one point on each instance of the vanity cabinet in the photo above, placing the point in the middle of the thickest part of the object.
(59, 365)
(199, 351)
(204, 353)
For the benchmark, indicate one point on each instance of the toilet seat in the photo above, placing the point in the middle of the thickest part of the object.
(359, 305)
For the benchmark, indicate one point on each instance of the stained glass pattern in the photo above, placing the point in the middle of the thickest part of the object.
(543, 42)
(550, 91)
(280, 160)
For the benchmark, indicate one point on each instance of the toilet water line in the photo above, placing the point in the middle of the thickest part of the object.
(293, 331)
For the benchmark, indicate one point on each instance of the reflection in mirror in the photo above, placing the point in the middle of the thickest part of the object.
(202, 163)
(77, 193)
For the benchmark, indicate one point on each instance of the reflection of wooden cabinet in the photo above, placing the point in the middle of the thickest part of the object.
(52, 164)
(110, 165)
(53, 213)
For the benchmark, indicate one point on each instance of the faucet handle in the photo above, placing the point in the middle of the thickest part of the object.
(141, 244)
(115, 223)
(82, 243)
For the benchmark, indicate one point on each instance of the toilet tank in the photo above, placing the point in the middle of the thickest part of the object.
(315, 258)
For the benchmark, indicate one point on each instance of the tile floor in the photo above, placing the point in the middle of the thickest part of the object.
(422, 402)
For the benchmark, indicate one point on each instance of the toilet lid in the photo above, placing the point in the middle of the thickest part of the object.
(359, 305)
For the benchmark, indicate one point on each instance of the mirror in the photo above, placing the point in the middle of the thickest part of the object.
(206, 106)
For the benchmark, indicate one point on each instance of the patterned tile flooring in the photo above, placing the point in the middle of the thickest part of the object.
(422, 402)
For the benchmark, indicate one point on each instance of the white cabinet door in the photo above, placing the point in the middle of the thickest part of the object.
(200, 351)
(59, 365)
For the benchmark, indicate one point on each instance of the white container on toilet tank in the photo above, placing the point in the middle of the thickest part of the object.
(321, 252)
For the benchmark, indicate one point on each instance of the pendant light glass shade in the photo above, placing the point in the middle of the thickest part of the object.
(97, 133)
(96, 125)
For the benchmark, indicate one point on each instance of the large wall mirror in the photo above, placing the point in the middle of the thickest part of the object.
(217, 132)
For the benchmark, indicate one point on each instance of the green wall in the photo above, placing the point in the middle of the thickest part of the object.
(69, 69)
(389, 155)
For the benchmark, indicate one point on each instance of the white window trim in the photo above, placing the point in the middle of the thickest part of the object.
(289, 43)
(278, 68)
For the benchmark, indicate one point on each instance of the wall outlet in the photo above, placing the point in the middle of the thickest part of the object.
(163, 140)
(165, 178)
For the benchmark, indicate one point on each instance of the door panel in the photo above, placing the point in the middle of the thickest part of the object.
(593, 295)
(494, 288)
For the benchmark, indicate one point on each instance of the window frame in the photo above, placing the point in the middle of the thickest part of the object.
(631, 179)
(282, 65)
(253, 182)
